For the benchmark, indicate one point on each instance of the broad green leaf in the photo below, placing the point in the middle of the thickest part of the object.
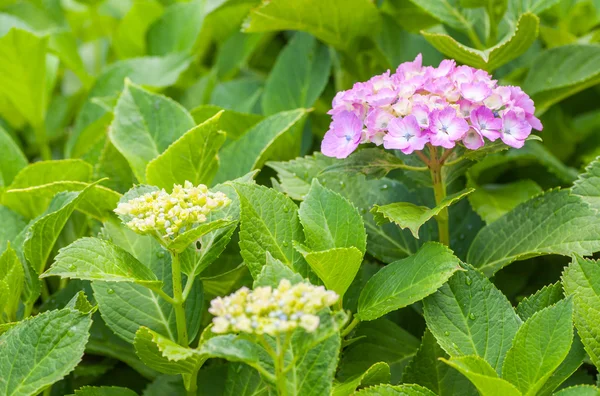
(183, 240)
(41, 350)
(273, 272)
(395, 390)
(80, 303)
(587, 185)
(12, 160)
(237, 349)
(483, 376)
(144, 125)
(46, 172)
(96, 259)
(492, 201)
(193, 157)
(406, 281)
(411, 216)
(567, 368)
(257, 145)
(379, 373)
(241, 94)
(130, 37)
(518, 7)
(336, 267)
(377, 341)
(426, 369)
(233, 123)
(372, 162)
(543, 298)
(560, 72)
(511, 47)
(164, 355)
(235, 52)
(298, 76)
(446, 11)
(469, 316)
(522, 233)
(11, 272)
(12, 225)
(23, 75)
(401, 20)
(43, 232)
(269, 223)
(331, 221)
(103, 391)
(579, 390)
(539, 347)
(243, 380)
(337, 22)
(177, 29)
(581, 280)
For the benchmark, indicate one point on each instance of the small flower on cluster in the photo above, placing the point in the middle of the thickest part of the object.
(171, 214)
(419, 105)
(266, 310)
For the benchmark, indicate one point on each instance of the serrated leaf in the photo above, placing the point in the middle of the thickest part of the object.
(411, 216)
(233, 123)
(183, 240)
(11, 273)
(581, 280)
(406, 281)
(164, 355)
(336, 267)
(522, 232)
(104, 391)
(96, 259)
(587, 185)
(376, 374)
(243, 380)
(146, 124)
(12, 225)
(483, 376)
(336, 22)
(511, 47)
(236, 349)
(560, 72)
(273, 272)
(579, 390)
(543, 298)
(395, 390)
(12, 160)
(256, 146)
(80, 303)
(309, 63)
(269, 223)
(41, 350)
(371, 162)
(193, 157)
(469, 316)
(331, 221)
(567, 368)
(539, 347)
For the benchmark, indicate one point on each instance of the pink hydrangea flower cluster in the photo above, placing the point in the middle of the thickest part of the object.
(443, 106)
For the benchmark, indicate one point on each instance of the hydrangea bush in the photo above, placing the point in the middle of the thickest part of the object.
(299, 198)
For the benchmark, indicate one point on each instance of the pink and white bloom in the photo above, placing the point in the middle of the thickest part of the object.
(475, 92)
(514, 130)
(484, 122)
(404, 134)
(473, 139)
(343, 136)
(446, 127)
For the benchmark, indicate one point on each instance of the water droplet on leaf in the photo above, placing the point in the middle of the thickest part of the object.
(468, 281)
(446, 333)
(472, 316)
(110, 291)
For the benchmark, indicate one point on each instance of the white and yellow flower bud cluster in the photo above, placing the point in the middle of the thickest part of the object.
(171, 214)
(265, 310)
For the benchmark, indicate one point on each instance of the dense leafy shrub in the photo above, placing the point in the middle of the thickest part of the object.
(233, 197)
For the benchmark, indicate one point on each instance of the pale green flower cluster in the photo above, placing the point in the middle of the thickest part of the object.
(171, 214)
(265, 310)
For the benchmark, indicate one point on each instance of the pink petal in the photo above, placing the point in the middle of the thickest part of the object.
(473, 140)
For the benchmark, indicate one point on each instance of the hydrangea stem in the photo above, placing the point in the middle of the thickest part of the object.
(439, 190)
(182, 335)
(279, 360)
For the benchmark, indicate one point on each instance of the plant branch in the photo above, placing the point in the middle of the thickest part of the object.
(182, 335)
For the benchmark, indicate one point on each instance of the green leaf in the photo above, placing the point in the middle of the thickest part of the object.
(269, 223)
(12, 225)
(560, 72)
(579, 390)
(183, 240)
(376, 374)
(11, 272)
(144, 125)
(372, 162)
(492, 201)
(41, 350)
(518, 7)
(95, 259)
(177, 29)
(309, 64)
(103, 391)
(543, 298)
(331, 221)
(12, 161)
(522, 233)
(446, 11)
(581, 280)
(243, 380)
(408, 215)
(587, 185)
(511, 47)
(130, 37)
(273, 272)
(257, 145)
(193, 157)
(395, 390)
(426, 369)
(336, 267)
(567, 368)
(336, 22)
(539, 347)
(241, 94)
(469, 316)
(233, 123)
(483, 376)
(236, 349)
(164, 355)
(406, 281)
(23, 75)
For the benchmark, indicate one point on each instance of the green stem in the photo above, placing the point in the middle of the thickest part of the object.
(192, 389)
(280, 376)
(439, 190)
(350, 327)
(178, 301)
